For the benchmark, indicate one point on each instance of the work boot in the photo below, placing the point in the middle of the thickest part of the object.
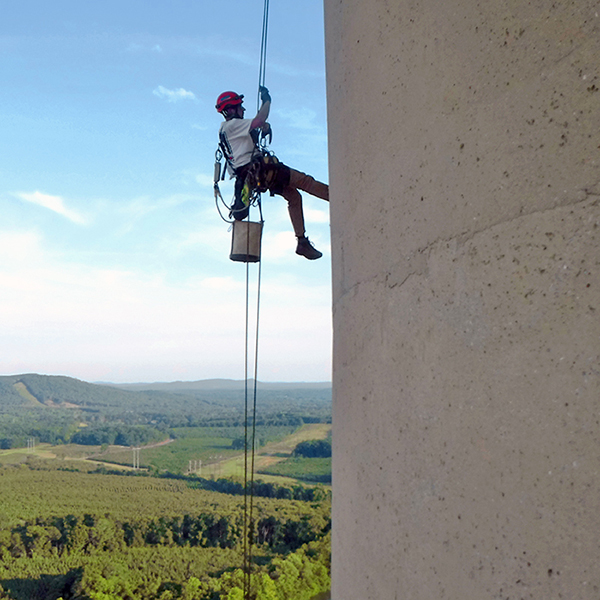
(239, 211)
(306, 249)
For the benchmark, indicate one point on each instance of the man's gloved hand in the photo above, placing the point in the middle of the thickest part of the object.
(264, 94)
(266, 132)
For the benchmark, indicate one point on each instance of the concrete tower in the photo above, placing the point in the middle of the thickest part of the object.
(465, 178)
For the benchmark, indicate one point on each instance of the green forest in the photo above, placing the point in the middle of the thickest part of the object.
(57, 409)
(77, 521)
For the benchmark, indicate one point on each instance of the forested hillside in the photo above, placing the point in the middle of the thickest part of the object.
(57, 409)
(107, 537)
(138, 494)
(58, 391)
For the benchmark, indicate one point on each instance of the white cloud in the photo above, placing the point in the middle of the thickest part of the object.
(313, 215)
(53, 310)
(209, 238)
(53, 203)
(227, 284)
(173, 95)
(215, 48)
(302, 118)
(135, 47)
(205, 180)
(132, 211)
(66, 317)
(279, 245)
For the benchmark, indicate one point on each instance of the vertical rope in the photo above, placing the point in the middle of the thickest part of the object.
(254, 417)
(249, 506)
(249, 472)
(262, 69)
(245, 544)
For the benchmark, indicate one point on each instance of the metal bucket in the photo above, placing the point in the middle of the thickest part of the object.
(245, 241)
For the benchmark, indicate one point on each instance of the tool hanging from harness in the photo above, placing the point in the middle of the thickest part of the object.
(263, 173)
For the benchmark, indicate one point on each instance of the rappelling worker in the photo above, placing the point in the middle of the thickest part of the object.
(255, 169)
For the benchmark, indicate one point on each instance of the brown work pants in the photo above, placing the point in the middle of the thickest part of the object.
(308, 184)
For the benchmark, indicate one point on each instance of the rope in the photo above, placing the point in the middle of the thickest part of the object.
(254, 421)
(246, 512)
(250, 418)
(249, 504)
(218, 175)
(262, 69)
(218, 201)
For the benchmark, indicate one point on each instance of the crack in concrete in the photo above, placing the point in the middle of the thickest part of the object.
(465, 237)
(587, 42)
(462, 238)
(400, 283)
(565, 56)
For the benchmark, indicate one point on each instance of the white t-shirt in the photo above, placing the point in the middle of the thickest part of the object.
(237, 143)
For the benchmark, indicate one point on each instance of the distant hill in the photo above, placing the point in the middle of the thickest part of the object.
(54, 391)
(206, 397)
(57, 409)
(219, 384)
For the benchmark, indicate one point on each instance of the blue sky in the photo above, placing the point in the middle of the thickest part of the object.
(113, 259)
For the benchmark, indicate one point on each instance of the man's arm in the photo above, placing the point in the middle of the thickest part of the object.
(263, 114)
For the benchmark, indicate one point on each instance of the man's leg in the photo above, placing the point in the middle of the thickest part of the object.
(308, 184)
(239, 211)
(294, 200)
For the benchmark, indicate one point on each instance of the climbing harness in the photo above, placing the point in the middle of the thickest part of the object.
(251, 199)
(256, 178)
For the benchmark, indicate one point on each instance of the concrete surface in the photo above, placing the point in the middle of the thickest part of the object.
(465, 186)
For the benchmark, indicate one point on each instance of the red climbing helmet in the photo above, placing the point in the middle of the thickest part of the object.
(228, 99)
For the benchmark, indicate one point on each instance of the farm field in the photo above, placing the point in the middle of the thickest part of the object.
(118, 494)
(272, 454)
(308, 470)
(209, 455)
(82, 456)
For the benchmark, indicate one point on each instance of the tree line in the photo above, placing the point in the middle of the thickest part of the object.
(314, 449)
(172, 574)
(119, 435)
(88, 533)
(62, 426)
(180, 556)
(230, 486)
